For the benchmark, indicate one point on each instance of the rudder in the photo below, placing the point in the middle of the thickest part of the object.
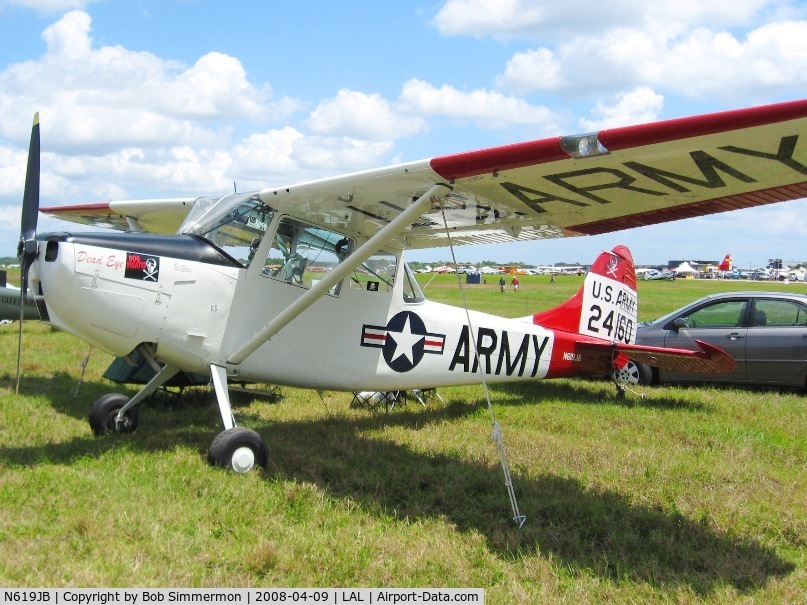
(606, 306)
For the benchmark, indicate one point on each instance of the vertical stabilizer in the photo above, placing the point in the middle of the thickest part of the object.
(606, 306)
(726, 264)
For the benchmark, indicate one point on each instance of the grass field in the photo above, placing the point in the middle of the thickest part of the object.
(691, 495)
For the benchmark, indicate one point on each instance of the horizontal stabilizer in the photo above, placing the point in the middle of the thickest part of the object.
(709, 359)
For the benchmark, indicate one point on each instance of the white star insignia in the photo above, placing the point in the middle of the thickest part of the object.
(405, 341)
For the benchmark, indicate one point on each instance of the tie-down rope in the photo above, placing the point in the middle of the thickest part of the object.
(497, 435)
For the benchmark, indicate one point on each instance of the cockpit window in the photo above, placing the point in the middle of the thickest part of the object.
(301, 253)
(235, 223)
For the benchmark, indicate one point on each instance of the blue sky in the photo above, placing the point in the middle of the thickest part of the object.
(181, 98)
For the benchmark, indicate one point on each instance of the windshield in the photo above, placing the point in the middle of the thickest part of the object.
(236, 222)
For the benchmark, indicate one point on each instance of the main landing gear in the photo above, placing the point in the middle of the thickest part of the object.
(105, 411)
(236, 448)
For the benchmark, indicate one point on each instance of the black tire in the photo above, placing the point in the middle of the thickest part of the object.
(238, 449)
(105, 410)
(634, 373)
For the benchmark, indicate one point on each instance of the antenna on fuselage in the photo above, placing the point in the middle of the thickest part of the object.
(235, 189)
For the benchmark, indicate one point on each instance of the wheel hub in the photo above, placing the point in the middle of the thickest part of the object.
(629, 374)
(243, 460)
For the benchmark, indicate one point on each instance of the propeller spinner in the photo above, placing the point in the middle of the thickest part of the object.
(26, 250)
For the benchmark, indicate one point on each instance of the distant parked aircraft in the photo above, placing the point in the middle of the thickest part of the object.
(10, 305)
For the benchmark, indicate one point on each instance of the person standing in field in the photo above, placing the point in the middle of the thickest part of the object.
(502, 284)
(515, 283)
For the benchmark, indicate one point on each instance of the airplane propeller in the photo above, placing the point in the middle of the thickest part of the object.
(26, 250)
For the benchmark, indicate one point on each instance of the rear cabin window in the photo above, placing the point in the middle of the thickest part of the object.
(376, 274)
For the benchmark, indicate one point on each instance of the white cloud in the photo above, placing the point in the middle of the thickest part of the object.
(117, 122)
(694, 64)
(12, 171)
(97, 98)
(489, 17)
(533, 70)
(638, 106)
(552, 20)
(363, 116)
(706, 62)
(488, 109)
(786, 221)
(693, 48)
(69, 37)
(266, 157)
(323, 156)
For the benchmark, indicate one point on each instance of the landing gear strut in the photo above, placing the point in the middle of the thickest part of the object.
(236, 448)
(116, 412)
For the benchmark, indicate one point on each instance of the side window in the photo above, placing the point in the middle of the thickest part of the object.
(778, 313)
(301, 254)
(376, 274)
(726, 314)
(411, 289)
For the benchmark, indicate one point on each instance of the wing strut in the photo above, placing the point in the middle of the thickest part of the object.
(342, 270)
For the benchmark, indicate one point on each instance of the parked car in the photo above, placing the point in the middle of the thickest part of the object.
(765, 333)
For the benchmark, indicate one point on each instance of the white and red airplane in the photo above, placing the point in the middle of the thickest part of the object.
(306, 285)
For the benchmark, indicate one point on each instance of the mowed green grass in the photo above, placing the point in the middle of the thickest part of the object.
(689, 495)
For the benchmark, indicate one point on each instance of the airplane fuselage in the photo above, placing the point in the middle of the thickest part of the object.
(196, 305)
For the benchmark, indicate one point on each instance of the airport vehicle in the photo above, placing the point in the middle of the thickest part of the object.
(224, 284)
(465, 269)
(764, 332)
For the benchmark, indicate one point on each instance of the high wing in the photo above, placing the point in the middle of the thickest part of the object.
(558, 187)
(155, 216)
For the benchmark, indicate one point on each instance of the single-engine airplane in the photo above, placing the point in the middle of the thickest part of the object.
(306, 285)
(10, 304)
(660, 274)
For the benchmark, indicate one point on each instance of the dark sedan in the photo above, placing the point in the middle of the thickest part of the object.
(765, 332)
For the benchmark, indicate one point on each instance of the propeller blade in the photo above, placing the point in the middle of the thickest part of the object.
(26, 251)
(30, 198)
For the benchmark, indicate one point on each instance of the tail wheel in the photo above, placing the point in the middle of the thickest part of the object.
(104, 414)
(238, 449)
(633, 373)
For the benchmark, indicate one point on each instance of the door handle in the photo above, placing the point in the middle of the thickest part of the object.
(735, 336)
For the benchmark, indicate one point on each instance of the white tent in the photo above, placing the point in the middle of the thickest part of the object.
(685, 267)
